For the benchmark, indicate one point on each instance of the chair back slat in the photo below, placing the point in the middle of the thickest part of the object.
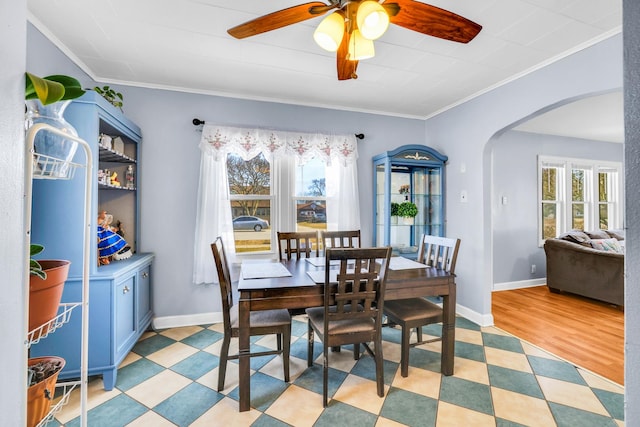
(340, 239)
(360, 291)
(297, 243)
(224, 277)
(439, 252)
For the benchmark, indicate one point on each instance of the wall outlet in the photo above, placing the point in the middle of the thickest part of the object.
(533, 269)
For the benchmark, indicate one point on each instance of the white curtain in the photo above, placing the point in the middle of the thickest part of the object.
(213, 218)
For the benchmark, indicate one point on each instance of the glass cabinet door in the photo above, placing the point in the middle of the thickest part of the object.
(409, 199)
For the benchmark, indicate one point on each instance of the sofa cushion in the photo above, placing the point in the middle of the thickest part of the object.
(607, 245)
(598, 234)
(576, 236)
(618, 234)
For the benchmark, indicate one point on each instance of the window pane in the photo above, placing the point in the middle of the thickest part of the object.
(311, 215)
(251, 214)
(603, 187)
(249, 177)
(577, 185)
(251, 229)
(604, 215)
(549, 184)
(577, 216)
(549, 220)
(310, 179)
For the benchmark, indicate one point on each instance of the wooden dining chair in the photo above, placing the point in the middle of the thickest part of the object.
(297, 243)
(437, 252)
(352, 310)
(340, 239)
(265, 322)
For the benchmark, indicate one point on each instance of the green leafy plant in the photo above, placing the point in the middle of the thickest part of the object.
(394, 208)
(35, 268)
(114, 98)
(52, 88)
(407, 210)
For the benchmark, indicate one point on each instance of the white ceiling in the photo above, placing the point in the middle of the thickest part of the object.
(183, 45)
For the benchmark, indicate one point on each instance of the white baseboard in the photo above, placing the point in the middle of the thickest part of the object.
(209, 318)
(186, 320)
(474, 316)
(506, 286)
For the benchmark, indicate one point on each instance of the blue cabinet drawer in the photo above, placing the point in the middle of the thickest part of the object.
(125, 323)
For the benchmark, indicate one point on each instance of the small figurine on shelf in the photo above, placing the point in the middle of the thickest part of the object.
(111, 245)
(130, 178)
(404, 189)
(114, 179)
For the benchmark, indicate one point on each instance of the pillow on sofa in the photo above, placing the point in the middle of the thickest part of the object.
(618, 234)
(576, 236)
(598, 234)
(607, 245)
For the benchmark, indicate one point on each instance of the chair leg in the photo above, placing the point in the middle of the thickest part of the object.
(379, 366)
(356, 352)
(309, 345)
(279, 341)
(404, 351)
(419, 333)
(286, 337)
(325, 375)
(222, 366)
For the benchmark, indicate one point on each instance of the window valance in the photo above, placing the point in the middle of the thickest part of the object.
(247, 143)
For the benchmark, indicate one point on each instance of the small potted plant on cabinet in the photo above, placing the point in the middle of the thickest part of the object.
(46, 282)
(408, 211)
(394, 213)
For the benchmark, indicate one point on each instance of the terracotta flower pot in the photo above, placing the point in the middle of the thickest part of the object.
(40, 395)
(45, 295)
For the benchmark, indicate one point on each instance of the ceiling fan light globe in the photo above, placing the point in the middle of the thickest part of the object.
(329, 33)
(372, 19)
(359, 47)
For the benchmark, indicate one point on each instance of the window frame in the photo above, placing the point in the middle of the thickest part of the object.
(283, 202)
(564, 197)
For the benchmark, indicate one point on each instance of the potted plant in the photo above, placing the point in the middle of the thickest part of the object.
(46, 99)
(394, 212)
(42, 374)
(46, 283)
(408, 211)
(114, 98)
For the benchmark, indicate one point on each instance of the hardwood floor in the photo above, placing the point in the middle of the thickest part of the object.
(580, 330)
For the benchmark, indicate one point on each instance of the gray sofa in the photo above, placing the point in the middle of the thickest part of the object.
(575, 265)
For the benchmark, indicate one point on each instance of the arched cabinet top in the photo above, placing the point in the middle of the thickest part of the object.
(412, 153)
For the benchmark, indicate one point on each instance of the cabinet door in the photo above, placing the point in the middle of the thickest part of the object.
(124, 306)
(144, 298)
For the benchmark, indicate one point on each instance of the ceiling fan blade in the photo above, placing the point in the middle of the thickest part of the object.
(346, 68)
(433, 21)
(279, 19)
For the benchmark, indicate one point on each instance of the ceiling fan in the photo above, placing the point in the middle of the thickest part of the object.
(353, 25)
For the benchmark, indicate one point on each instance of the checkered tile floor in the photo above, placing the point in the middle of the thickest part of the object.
(170, 378)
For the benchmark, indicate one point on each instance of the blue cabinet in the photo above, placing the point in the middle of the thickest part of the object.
(120, 307)
(409, 175)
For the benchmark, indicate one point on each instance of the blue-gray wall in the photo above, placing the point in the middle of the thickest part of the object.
(515, 176)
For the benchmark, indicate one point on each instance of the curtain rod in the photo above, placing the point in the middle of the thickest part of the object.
(198, 122)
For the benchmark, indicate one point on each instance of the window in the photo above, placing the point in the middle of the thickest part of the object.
(254, 203)
(578, 194)
(251, 196)
(267, 177)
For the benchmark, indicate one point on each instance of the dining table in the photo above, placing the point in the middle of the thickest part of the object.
(299, 284)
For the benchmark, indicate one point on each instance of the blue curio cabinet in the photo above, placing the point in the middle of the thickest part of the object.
(409, 175)
(120, 293)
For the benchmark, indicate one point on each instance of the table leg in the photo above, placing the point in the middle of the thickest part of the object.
(244, 358)
(448, 330)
